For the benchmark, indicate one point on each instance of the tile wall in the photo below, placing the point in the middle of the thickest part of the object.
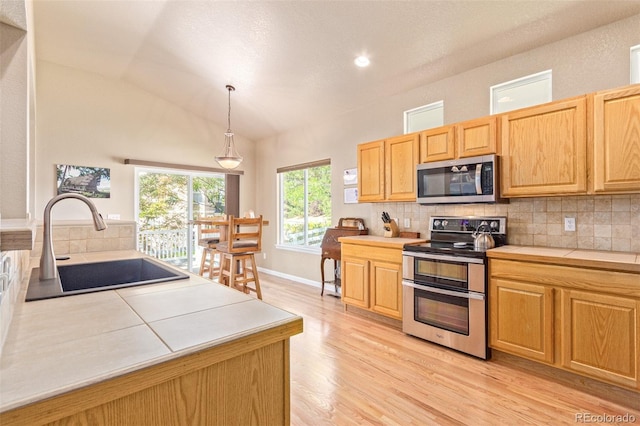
(81, 237)
(603, 222)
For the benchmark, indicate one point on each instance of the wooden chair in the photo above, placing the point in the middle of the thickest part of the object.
(237, 260)
(209, 235)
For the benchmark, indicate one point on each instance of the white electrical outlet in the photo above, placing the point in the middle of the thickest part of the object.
(407, 222)
(570, 224)
(113, 216)
(264, 255)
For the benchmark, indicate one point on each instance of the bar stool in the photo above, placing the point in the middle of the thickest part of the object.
(237, 259)
(208, 239)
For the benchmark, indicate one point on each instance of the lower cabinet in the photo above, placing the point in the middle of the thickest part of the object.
(585, 321)
(600, 336)
(372, 279)
(522, 319)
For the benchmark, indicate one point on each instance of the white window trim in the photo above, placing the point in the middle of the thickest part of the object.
(280, 186)
(634, 64)
(407, 114)
(532, 78)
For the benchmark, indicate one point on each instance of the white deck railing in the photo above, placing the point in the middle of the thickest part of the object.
(165, 245)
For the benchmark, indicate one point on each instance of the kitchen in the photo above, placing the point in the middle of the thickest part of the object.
(114, 108)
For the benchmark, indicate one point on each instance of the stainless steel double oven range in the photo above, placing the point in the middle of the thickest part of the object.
(445, 284)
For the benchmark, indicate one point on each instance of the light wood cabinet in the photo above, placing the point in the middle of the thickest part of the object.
(522, 319)
(477, 137)
(355, 281)
(544, 149)
(585, 320)
(616, 140)
(372, 278)
(460, 140)
(600, 336)
(387, 169)
(438, 144)
(371, 171)
(386, 288)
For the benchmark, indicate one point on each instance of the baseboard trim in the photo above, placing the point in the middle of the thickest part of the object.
(290, 277)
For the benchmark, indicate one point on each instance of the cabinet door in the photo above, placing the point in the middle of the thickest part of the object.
(437, 144)
(386, 289)
(600, 336)
(371, 171)
(355, 281)
(476, 137)
(521, 319)
(544, 150)
(401, 159)
(616, 134)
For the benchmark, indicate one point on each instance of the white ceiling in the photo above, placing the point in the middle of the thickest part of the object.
(292, 61)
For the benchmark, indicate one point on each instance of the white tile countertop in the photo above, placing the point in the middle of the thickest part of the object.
(57, 345)
(616, 261)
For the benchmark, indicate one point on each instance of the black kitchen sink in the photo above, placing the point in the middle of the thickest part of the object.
(99, 276)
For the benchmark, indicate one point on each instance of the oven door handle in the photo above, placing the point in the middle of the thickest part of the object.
(464, 295)
(443, 257)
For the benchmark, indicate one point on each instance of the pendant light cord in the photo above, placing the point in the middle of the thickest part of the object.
(229, 88)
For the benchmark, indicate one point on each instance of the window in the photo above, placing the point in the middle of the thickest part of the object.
(424, 117)
(533, 89)
(635, 64)
(304, 205)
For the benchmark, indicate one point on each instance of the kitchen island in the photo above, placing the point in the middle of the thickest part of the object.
(182, 352)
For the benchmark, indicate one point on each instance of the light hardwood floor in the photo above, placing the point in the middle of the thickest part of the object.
(351, 370)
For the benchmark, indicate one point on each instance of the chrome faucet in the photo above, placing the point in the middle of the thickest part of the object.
(48, 268)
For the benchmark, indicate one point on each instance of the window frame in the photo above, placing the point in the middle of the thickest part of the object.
(519, 82)
(438, 105)
(280, 185)
(634, 64)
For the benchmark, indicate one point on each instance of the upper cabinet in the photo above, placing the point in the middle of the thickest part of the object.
(387, 169)
(477, 137)
(437, 144)
(544, 149)
(616, 140)
(466, 139)
(371, 171)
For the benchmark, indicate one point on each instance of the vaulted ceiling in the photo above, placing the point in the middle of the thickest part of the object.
(292, 61)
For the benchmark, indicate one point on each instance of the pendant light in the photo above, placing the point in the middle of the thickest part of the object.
(229, 159)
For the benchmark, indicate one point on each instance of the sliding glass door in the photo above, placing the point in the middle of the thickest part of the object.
(167, 203)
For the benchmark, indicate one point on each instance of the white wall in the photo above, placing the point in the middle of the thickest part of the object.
(592, 61)
(14, 135)
(85, 119)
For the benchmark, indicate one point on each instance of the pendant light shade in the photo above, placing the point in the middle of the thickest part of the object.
(229, 158)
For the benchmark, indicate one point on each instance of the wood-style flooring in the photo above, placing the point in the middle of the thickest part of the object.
(347, 369)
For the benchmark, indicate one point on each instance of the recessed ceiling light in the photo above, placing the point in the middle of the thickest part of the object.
(362, 61)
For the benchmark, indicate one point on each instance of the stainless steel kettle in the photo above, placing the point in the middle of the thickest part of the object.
(482, 240)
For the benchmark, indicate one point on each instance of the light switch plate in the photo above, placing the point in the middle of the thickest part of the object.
(407, 222)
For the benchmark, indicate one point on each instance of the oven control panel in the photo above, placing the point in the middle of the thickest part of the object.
(496, 225)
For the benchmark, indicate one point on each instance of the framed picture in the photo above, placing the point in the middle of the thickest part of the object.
(93, 182)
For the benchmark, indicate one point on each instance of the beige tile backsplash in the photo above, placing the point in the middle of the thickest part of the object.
(75, 237)
(603, 222)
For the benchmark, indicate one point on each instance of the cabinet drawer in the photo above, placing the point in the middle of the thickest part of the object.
(372, 253)
(599, 280)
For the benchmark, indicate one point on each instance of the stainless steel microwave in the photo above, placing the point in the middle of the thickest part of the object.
(466, 180)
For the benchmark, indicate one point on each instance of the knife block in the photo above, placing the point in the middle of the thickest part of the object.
(391, 229)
